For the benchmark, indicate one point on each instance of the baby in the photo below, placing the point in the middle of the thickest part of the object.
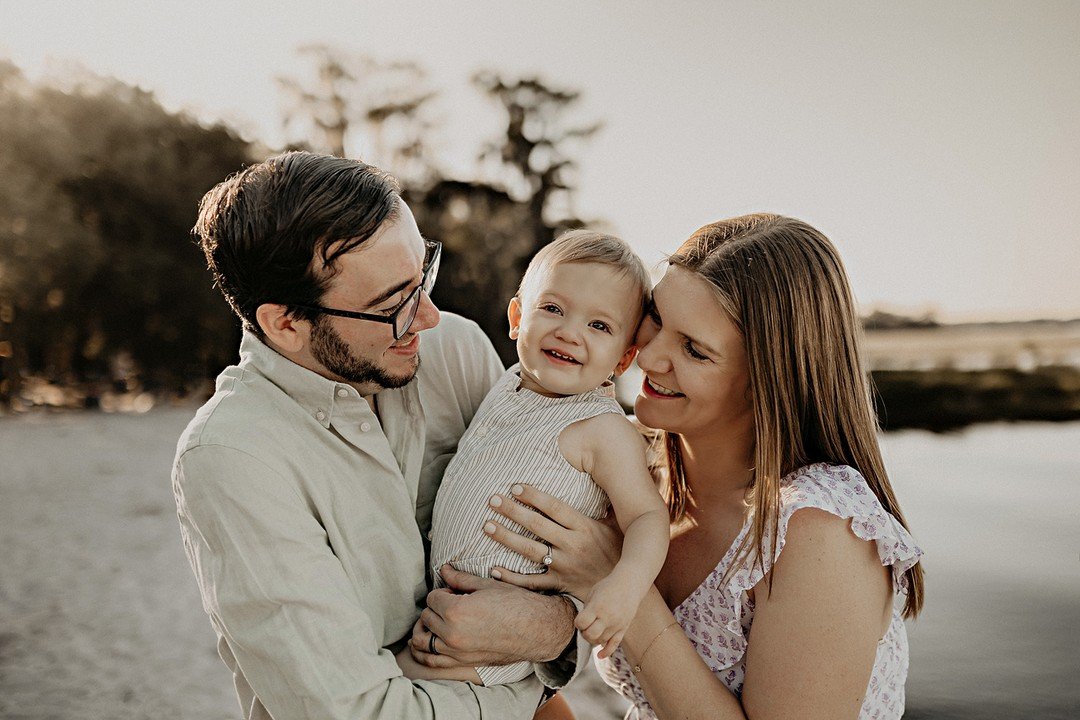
(552, 421)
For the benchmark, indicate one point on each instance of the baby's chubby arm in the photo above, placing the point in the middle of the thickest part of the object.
(609, 448)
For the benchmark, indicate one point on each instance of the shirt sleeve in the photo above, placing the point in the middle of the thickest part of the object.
(283, 604)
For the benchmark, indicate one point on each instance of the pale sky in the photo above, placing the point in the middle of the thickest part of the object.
(937, 143)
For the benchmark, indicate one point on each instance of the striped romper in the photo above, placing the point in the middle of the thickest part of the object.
(514, 438)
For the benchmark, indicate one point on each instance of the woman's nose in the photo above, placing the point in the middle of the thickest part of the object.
(651, 357)
(646, 332)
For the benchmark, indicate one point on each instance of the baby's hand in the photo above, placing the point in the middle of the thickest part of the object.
(607, 613)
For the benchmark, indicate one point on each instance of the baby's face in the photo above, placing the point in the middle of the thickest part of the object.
(574, 325)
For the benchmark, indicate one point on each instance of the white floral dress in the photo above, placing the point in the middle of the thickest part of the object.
(716, 617)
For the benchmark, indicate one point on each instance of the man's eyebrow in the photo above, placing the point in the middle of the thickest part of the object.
(383, 297)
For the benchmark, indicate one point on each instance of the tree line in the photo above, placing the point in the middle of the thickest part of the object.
(103, 292)
(102, 288)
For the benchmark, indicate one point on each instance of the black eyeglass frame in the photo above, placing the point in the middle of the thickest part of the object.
(427, 282)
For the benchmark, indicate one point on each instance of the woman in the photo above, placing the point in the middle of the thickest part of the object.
(787, 543)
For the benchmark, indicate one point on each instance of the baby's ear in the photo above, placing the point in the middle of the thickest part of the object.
(626, 360)
(513, 314)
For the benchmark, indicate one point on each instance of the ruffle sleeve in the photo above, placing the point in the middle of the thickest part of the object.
(714, 617)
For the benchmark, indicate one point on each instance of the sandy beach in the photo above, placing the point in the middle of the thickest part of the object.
(100, 616)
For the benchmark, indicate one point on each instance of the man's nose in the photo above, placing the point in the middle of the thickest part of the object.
(427, 315)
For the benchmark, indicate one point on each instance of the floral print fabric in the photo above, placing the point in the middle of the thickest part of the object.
(717, 615)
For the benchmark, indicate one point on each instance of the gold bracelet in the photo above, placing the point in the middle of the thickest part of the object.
(637, 666)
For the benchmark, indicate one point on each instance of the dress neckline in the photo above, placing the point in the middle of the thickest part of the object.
(718, 570)
(713, 578)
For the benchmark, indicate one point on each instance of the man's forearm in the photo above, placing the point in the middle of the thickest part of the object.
(486, 622)
(557, 673)
(555, 630)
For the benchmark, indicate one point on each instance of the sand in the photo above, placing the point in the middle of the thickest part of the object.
(100, 616)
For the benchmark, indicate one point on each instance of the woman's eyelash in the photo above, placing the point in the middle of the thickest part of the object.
(692, 352)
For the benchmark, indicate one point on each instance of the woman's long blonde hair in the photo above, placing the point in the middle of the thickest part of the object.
(783, 284)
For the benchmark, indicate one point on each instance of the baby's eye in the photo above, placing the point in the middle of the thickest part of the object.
(551, 308)
(692, 351)
(600, 325)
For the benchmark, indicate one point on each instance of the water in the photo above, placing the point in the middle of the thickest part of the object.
(997, 510)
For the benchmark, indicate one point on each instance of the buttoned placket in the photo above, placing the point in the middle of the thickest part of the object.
(396, 440)
(403, 422)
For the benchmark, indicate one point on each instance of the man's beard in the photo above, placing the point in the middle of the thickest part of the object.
(333, 354)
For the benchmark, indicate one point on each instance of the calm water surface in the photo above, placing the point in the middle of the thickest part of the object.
(997, 510)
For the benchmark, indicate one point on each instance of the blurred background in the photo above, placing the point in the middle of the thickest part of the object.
(937, 144)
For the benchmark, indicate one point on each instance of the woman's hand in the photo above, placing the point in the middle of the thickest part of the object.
(583, 550)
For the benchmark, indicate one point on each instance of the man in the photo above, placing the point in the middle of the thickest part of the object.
(304, 486)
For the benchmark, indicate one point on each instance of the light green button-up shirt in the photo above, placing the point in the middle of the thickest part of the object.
(304, 516)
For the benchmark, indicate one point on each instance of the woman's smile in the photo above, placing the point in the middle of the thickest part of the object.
(654, 389)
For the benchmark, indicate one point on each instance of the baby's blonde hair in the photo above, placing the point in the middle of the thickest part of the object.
(588, 246)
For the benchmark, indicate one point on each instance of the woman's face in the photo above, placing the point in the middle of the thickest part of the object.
(697, 382)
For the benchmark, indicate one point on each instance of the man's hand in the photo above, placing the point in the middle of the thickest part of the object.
(477, 621)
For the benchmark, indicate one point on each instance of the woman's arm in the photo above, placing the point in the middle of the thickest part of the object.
(814, 639)
(583, 550)
(812, 644)
(672, 675)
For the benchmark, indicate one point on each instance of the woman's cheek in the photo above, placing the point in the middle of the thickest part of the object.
(645, 333)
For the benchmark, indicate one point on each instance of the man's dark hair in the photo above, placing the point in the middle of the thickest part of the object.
(272, 231)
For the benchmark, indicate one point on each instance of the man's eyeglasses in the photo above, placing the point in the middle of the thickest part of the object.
(401, 318)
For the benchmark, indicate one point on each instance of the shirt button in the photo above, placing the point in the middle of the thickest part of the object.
(364, 427)
(342, 392)
(320, 416)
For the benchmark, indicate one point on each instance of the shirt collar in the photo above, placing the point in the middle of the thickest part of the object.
(313, 392)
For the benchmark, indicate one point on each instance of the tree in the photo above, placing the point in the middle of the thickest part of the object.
(490, 231)
(376, 110)
(534, 152)
(100, 189)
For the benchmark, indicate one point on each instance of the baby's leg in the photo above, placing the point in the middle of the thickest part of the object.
(555, 709)
(504, 674)
(415, 671)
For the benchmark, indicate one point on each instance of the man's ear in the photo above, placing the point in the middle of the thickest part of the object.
(625, 360)
(282, 330)
(513, 314)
